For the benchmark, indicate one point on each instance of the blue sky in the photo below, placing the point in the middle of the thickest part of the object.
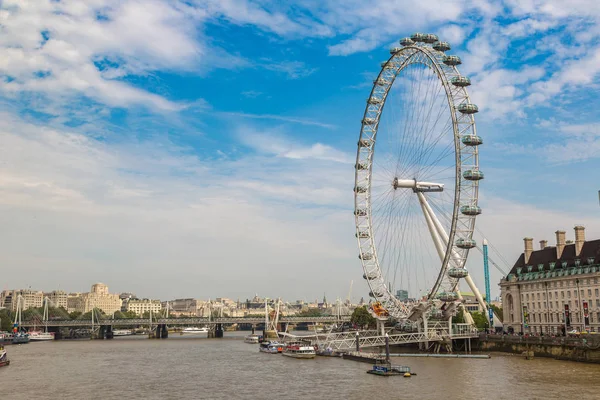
(204, 148)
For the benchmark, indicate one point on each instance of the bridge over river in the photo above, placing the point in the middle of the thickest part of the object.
(192, 321)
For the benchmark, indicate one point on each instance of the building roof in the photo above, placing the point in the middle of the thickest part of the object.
(590, 249)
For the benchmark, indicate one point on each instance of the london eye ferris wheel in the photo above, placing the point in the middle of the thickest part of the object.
(417, 177)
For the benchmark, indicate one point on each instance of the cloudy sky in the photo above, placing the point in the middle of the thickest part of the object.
(205, 148)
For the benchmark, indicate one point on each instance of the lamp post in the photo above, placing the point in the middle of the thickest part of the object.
(547, 309)
(580, 306)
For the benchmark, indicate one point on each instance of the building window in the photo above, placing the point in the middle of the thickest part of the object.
(589, 292)
(527, 297)
(596, 292)
(539, 305)
(569, 294)
(538, 296)
(582, 293)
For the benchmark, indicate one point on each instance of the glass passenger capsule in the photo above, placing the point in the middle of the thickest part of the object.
(375, 294)
(452, 60)
(365, 256)
(458, 273)
(460, 81)
(395, 50)
(371, 276)
(360, 189)
(368, 121)
(473, 175)
(470, 210)
(447, 296)
(361, 212)
(381, 82)
(441, 46)
(465, 243)
(418, 37)
(467, 108)
(365, 143)
(362, 234)
(361, 166)
(406, 41)
(430, 38)
(374, 100)
(472, 140)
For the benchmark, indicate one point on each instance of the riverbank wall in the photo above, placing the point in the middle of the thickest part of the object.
(583, 349)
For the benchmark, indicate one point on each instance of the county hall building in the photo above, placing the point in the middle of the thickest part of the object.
(555, 289)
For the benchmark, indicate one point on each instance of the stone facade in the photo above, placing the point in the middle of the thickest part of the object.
(57, 298)
(141, 306)
(99, 297)
(551, 290)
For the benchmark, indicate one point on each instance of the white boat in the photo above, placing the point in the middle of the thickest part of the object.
(299, 350)
(254, 338)
(122, 332)
(194, 331)
(41, 336)
(271, 347)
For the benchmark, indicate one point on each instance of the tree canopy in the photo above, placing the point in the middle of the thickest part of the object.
(362, 318)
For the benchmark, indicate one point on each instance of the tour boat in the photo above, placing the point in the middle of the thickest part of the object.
(122, 332)
(4, 361)
(271, 347)
(41, 336)
(254, 338)
(299, 350)
(20, 338)
(194, 331)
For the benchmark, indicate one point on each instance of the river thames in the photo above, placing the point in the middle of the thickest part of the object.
(197, 368)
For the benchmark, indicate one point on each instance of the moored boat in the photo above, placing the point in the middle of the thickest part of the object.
(4, 361)
(271, 347)
(20, 338)
(122, 332)
(41, 336)
(299, 350)
(254, 338)
(194, 331)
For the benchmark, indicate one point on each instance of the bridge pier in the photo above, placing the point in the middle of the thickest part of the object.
(219, 331)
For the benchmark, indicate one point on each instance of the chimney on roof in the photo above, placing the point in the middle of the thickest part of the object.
(543, 244)
(560, 243)
(579, 239)
(528, 248)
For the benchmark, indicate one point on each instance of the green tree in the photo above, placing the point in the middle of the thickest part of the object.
(498, 312)
(310, 312)
(6, 320)
(362, 318)
(75, 314)
(459, 318)
(480, 319)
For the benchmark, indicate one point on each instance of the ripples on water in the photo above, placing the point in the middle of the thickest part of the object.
(196, 368)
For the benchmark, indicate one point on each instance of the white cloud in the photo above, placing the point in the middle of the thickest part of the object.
(274, 143)
(65, 48)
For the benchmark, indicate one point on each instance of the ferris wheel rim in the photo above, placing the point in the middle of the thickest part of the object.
(373, 126)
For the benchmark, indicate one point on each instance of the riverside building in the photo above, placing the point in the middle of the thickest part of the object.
(140, 306)
(554, 289)
(98, 297)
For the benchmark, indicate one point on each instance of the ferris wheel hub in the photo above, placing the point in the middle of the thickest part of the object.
(417, 186)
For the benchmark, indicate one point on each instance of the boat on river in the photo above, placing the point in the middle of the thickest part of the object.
(4, 361)
(299, 350)
(20, 338)
(271, 347)
(122, 332)
(194, 331)
(253, 339)
(41, 336)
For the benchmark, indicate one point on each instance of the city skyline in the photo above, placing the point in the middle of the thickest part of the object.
(214, 151)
